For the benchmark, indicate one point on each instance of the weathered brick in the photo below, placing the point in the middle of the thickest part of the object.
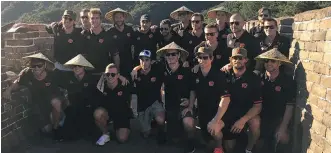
(324, 105)
(24, 49)
(297, 34)
(311, 26)
(310, 46)
(317, 113)
(33, 34)
(322, 69)
(328, 35)
(325, 24)
(301, 45)
(315, 56)
(318, 128)
(43, 40)
(319, 90)
(327, 120)
(308, 65)
(319, 36)
(313, 77)
(309, 85)
(306, 36)
(26, 42)
(328, 135)
(303, 26)
(20, 35)
(326, 81)
(327, 148)
(313, 99)
(44, 34)
(19, 109)
(320, 46)
(7, 35)
(327, 47)
(315, 148)
(317, 139)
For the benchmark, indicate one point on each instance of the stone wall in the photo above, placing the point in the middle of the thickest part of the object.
(311, 53)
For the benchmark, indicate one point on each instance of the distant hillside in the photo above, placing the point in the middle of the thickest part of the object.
(46, 12)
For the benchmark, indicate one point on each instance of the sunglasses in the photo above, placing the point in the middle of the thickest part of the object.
(111, 74)
(210, 34)
(269, 60)
(237, 58)
(37, 66)
(263, 15)
(196, 21)
(269, 27)
(164, 29)
(171, 54)
(236, 23)
(203, 57)
(84, 17)
(67, 18)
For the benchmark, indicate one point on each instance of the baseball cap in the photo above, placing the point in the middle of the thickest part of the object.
(145, 53)
(145, 17)
(70, 14)
(239, 52)
(204, 50)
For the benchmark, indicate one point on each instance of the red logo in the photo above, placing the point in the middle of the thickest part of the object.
(278, 88)
(128, 34)
(151, 36)
(47, 84)
(211, 83)
(119, 93)
(101, 41)
(85, 84)
(70, 41)
(180, 77)
(244, 85)
(153, 79)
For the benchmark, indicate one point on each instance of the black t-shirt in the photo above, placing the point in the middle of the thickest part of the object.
(281, 42)
(223, 34)
(45, 89)
(251, 44)
(123, 41)
(209, 91)
(100, 47)
(277, 95)
(179, 26)
(146, 41)
(189, 41)
(66, 46)
(176, 86)
(175, 38)
(257, 31)
(148, 86)
(221, 54)
(245, 92)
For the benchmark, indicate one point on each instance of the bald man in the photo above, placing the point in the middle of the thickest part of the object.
(241, 38)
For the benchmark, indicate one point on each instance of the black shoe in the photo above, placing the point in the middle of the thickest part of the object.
(57, 135)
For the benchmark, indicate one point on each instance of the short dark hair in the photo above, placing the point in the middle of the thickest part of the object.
(166, 21)
(85, 10)
(199, 15)
(211, 25)
(264, 9)
(271, 20)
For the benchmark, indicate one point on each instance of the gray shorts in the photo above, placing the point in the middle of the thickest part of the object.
(145, 117)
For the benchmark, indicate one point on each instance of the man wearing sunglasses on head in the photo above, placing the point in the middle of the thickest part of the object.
(191, 39)
(43, 86)
(84, 19)
(279, 92)
(113, 103)
(183, 15)
(263, 14)
(246, 102)
(168, 34)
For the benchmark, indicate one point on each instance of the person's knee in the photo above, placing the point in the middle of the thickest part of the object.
(56, 104)
(254, 124)
(188, 123)
(100, 113)
(123, 135)
(229, 145)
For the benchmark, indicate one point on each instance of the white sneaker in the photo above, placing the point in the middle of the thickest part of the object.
(103, 139)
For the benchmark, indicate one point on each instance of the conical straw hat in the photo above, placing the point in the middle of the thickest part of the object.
(212, 13)
(173, 46)
(38, 56)
(273, 54)
(109, 15)
(79, 60)
(174, 14)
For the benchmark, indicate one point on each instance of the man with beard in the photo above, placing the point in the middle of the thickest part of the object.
(44, 89)
(246, 102)
(210, 89)
(122, 36)
(113, 103)
(84, 19)
(241, 38)
(194, 37)
(272, 39)
(100, 47)
(279, 91)
(148, 87)
(145, 39)
(68, 41)
(177, 92)
(168, 34)
(183, 15)
(221, 15)
(263, 14)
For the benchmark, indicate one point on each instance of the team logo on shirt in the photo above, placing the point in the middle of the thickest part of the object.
(71, 82)
(115, 36)
(47, 84)
(138, 38)
(211, 83)
(190, 42)
(244, 85)
(128, 34)
(197, 80)
(218, 56)
(278, 88)
(105, 93)
(180, 77)
(85, 84)
(153, 79)
(150, 36)
(70, 41)
(100, 41)
(120, 93)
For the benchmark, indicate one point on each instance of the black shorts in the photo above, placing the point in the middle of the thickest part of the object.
(121, 119)
(175, 122)
(227, 134)
(269, 127)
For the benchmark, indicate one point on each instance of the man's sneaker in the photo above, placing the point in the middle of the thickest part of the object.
(103, 139)
(218, 150)
(248, 151)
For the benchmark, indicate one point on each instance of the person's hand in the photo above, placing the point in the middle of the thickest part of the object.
(153, 28)
(226, 68)
(281, 134)
(7, 94)
(134, 73)
(186, 110)
(238, 126)
(123, 80)
(195, 69)
(184, 102)
(186, 64)
(215, 126)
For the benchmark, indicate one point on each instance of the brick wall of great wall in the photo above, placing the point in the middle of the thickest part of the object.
(310, 52)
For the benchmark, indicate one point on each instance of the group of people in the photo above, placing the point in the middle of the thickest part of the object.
(218, 76)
